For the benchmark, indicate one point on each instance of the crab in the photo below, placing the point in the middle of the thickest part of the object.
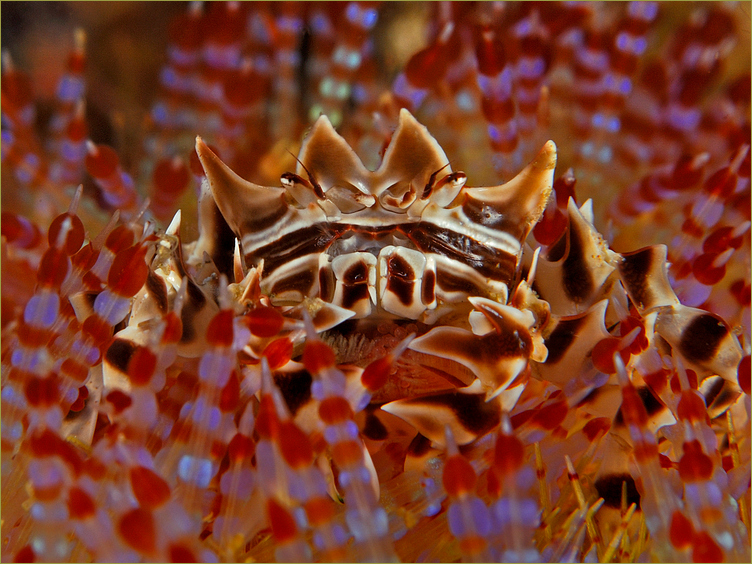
(410, 248)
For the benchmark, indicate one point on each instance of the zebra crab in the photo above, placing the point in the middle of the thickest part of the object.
(373, 256)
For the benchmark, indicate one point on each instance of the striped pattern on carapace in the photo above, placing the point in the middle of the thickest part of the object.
(399, 241)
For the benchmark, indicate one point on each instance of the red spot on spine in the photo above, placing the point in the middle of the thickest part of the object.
(640, 342)
(692, 407)
(150, 489)
(550, 227)
(550, 416)
(173, 330)
(53, 268)
(102, 162)
(19, 231)
(48, 443)
(742, 292)
(665, 461)
(459, 477)
(283, 525)
(295, 445)
(220, 331)
(319, 510)
(705, 549)
(119, 400)
(318, 356)
(74, 237)
(376, 374)
(181, 553)
(170, 179)
(603, 354)
(722, 183)
(99, 330)
(427, 67)
(509, 454)
(80, 403)
(128, 272)
(230, 396)
(267, 422)
(141, 366)
(632, 407)
(596, 427)
(41, 392)
(334, 410)
(240, 448)
(278, 352)
(705, 272)
(33, 337)
(137, 529)
(743, 374)
(695, 465)
(80, 504)
(120, 239)
(720, 240)
(265, 321)
(25, 554)
(681, 531)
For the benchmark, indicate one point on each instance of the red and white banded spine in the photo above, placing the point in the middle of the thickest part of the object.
(515, 514)
(175, 109)
(495, 80)
(693, 271)
(366, 518)
(71, 92)
(335, 86)
(206, 426)
(118, 189)
(469, 519)
(170, 180)
(658, 501)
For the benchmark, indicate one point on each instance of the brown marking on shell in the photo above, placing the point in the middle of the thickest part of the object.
(309, 239)
(295, 388)
(119, 354)
(353, 294)
(326, 280)
(401, 279)
(373, 428)
(719, 394)
(428, 288)
(302, 281)
(569, 341)
(654, 407)
(354, 276)
(576, 280)
(430, 237)
(609, 487)
(157, 289)
(449, 282)
(83, 304)
(496, 358)
(468, 416)
(645, 278)
(703, 339)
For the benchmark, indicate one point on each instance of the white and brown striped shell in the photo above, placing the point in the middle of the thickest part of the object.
(405, 241)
